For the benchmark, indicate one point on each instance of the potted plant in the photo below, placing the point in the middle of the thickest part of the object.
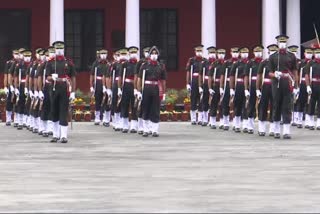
(185, 116)
(187, 104)
(79, 104)
(3, 98)
(87, 116)
(175, 116)
(171, 99)
(164, 116)
(78, 115)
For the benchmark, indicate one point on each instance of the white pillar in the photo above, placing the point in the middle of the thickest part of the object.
(208, 24)
(293, 23)
(132, 23)
(56, 20)
(270, 22)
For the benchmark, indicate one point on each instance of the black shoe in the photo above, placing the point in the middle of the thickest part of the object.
(281, 123)
(28, 127)
(204, 124)
(106, 124)
(213, 127)
(24, 125)
(277, 135)
(40, 133)
(250, 131)
(311, 128)
(193, 123)
(293, 124)
(237, 130)
(150, 133)
(125, 131)
(155, 134)
(271, 134)
(133, 131)
(200, 123)
(117, 129)
(96, 123)
(245, 130)
(261, 134)
(286, 136)
(54, 140)
(45, 135)
(64, 140)
(140, 132)
(145, 134)
(8, 123)
(221, 127)
(226, 128)
(318, 128)
(306, 126)
(15, 125)
(20, 127)
(50, 133)
(35, 131)
(299, 126)
(31, 129)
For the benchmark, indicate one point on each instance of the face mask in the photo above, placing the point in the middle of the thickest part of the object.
(42, 58)
(308, 55)
(47, 58)
(124, 57)
(221, 56)
(16, 56)
(199, 54)
(59, 52)
(133, 56)
(52, 55)
(317, 56)
(235, 55)
(103, 56)
(212, 55)
(258, 54)
(37, 56)
(296, 54)
(20, 56)
(154, 57)
(244, 55)
(282, 45)
(146, 54)
(27, 59)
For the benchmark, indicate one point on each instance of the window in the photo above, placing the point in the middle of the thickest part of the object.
(84, 34)
(159, 27)
(15, 33)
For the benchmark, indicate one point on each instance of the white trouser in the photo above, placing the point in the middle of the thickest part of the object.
(140, 124)
(8, 116)
(64, 131)
(97, 116)
(56, 129)
(251, 123)
(125, 123)
(286, 129)
(277, 127)
(193, 116)
(226, 121)
(271, 128)
(134, 125)
(262, 126)
(213, 121)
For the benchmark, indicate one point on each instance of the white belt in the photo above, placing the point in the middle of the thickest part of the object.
(217, 80)
(254, 78)
(228, 79)
(128, 80)
(117, 78)
(315, 80)
(267, 80)
(239, 80)
(206, 77)
(47, 81)
(195, 74)
(99, 78)
(23, 80)
(148, 82)
(303, 79)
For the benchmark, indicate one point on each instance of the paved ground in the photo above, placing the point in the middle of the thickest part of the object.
(187, 169)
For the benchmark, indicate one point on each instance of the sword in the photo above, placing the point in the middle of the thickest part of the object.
(224, 86)
(250, 77)
(109, 97)
(235, 86)
(263, 76)
(203, 77)
(123, 77)
(214, 81)
(191, 73)
(309, 95)
(95, 82)
(142, 89)
(18, 97)
(297, 97)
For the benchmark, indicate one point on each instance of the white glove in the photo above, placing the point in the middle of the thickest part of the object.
(211, 91)
(91, 89)
(109, 92)
(247, 93)
(189, 87)
(11, 88)
(41, 95)
(104, 90)
(221, 91)
(296, 91)
(36, 94)
(139, 96)
(31, 94)
(6, 90)
(54, 77)
(309, 91)
(232, 93)
(72, 96)
(119, 92)
(200, 90)
(258, 93)
(277, 74)
(135, 92)
(17, 92)
(26, 91)
(164, 97)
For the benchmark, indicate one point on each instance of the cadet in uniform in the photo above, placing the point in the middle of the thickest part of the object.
(313, 89)
(96, 83)
(151, 73)
(21, 86)
(143, 60)
(283, 70)
(250, 85)
(193, 68)
(237, 90)
(8, 86)
(126, 89)
(203, 83)
(216, 69)
(62, 74)
(264, 94)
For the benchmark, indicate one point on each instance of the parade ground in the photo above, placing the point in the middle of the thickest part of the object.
(186, 169)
